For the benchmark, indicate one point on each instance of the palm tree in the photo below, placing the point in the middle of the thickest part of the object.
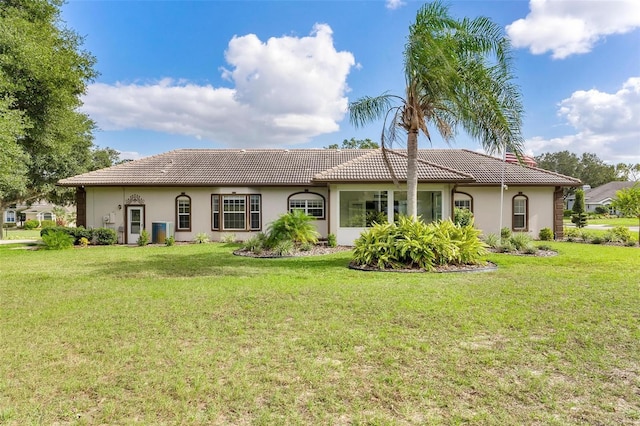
(458, 74)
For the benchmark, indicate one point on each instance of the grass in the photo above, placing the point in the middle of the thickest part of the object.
(20, 234)
(612, 221)
(193, 335)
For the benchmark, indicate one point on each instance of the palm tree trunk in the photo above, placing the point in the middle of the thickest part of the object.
(412, 174)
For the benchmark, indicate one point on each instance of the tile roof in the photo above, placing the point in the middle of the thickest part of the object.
(372, 167)
(488, 170)
(219, 167)
(208, 167)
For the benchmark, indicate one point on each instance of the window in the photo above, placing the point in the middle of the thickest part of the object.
(236, 209)
(462, 200)
(429, 204)
(520, 209)
(10, 216)
(254, 211)
(309, 202)
(215, 212)
(183, 213)
(359, 209)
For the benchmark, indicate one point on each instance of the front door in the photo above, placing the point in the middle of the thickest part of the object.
(135, 223)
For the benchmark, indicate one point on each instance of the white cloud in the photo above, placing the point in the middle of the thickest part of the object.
(130, 155)
(394, 4)
(607, 124)
(287, 90)
(572, 27)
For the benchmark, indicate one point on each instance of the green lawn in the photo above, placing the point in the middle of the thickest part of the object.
(193, 335)
(20, 234)
(612, 221)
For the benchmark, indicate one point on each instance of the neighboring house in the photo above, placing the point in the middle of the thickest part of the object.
(39, 210)
(241, 192)
(601, 196)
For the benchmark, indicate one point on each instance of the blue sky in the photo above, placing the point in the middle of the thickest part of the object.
(251, 74)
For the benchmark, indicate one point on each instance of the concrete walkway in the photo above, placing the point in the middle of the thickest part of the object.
(19, 241)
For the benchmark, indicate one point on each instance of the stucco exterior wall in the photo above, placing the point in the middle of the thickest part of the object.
(486, 207)
(106, 207)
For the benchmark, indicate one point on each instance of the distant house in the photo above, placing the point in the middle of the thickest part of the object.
(601, 196)
(240, 192)
(39, 210)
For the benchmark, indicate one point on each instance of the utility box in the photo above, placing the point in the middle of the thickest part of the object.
(160, 231)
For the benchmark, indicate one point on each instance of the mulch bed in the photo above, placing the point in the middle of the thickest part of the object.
(315, 251)
(483, 267)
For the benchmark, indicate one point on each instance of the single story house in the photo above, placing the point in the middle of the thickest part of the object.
(600, 196)
(18, 214)
(240, 192)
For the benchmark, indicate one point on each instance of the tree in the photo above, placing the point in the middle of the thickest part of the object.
(579, 217)
(628, 172)
(354, 143)
(106, 157)
(590, 169)
(43, 73)
(627, 202)
(457, 73)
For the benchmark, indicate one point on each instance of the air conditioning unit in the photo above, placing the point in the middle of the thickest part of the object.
(160, 231)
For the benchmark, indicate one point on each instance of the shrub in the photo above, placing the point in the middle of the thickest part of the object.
(47, 224)
(544, 247)
(586, 236)
(31, 224)
(462, 217)
(492, 240)
(505, 247)
(57, 240)
(374, 217)
(545, 234)
(256, 243)
(332, 241)
(520, 240)
(80, 232)
(169, 241)
(572, 234)
(579, 217)
(567, 213)
(622, 234)
(201, 238)
(601, 210)
(228, 238)
(47, 231)
(295, 226)
(597, 240)
(530, 249)
(505, 233)
(306, 247)
(143, 239)
(284, 248)
(107, 236)
(412, 243)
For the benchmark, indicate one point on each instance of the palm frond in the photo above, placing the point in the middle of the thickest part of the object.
(368, 109)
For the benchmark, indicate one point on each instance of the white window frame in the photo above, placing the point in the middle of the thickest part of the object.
(181, 212)
(520, 206)
(251, 211)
